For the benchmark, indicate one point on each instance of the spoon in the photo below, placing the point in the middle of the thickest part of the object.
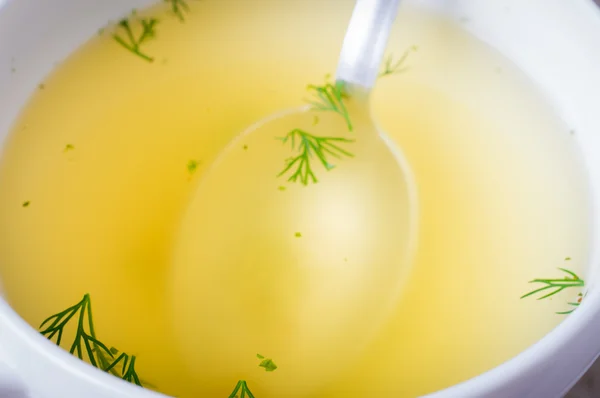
(305, 273)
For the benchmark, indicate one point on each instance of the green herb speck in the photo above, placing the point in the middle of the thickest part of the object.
(315, 120)
(68, 148)
(281, 188)
(192, 166)
(567, 258)
(26, 203)
(298, 235)
(245, 147)
(266, 363)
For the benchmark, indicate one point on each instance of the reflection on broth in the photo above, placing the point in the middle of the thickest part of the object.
(200, 281)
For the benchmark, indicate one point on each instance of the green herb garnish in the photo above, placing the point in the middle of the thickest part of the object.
(86, 345)
(68, 148)
(133, 43)
(192, 166)
(554, 286)
(179, 8)
(391, 67)
(330, 97)
(243, 389)
(266, 363)
(307, 146)
(125, 366)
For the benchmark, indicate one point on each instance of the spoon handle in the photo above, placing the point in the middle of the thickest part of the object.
(365, 41)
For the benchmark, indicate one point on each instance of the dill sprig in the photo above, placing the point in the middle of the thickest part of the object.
(179, 8)
(552, 287)
(330, 97)
(391, 66)
(242, 388)
(307, 146)
(127, 366)
(134, 43)
(86, 345)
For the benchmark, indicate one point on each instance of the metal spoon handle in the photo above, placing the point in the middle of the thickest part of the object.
(365, 41)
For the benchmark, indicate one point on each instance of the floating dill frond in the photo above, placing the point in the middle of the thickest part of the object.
(308, 145)
(242, 388)
(551, 287)
(179, 8)
(86, 345)
(330, 97)
(133, 42)
(392, 66)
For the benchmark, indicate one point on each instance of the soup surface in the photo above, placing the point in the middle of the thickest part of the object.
(105, 183)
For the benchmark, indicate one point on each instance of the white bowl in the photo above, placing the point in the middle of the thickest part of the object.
(555, 42)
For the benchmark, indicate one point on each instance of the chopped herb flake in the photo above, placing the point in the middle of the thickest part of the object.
(26, 203)
(192, 166)
(266, 363)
